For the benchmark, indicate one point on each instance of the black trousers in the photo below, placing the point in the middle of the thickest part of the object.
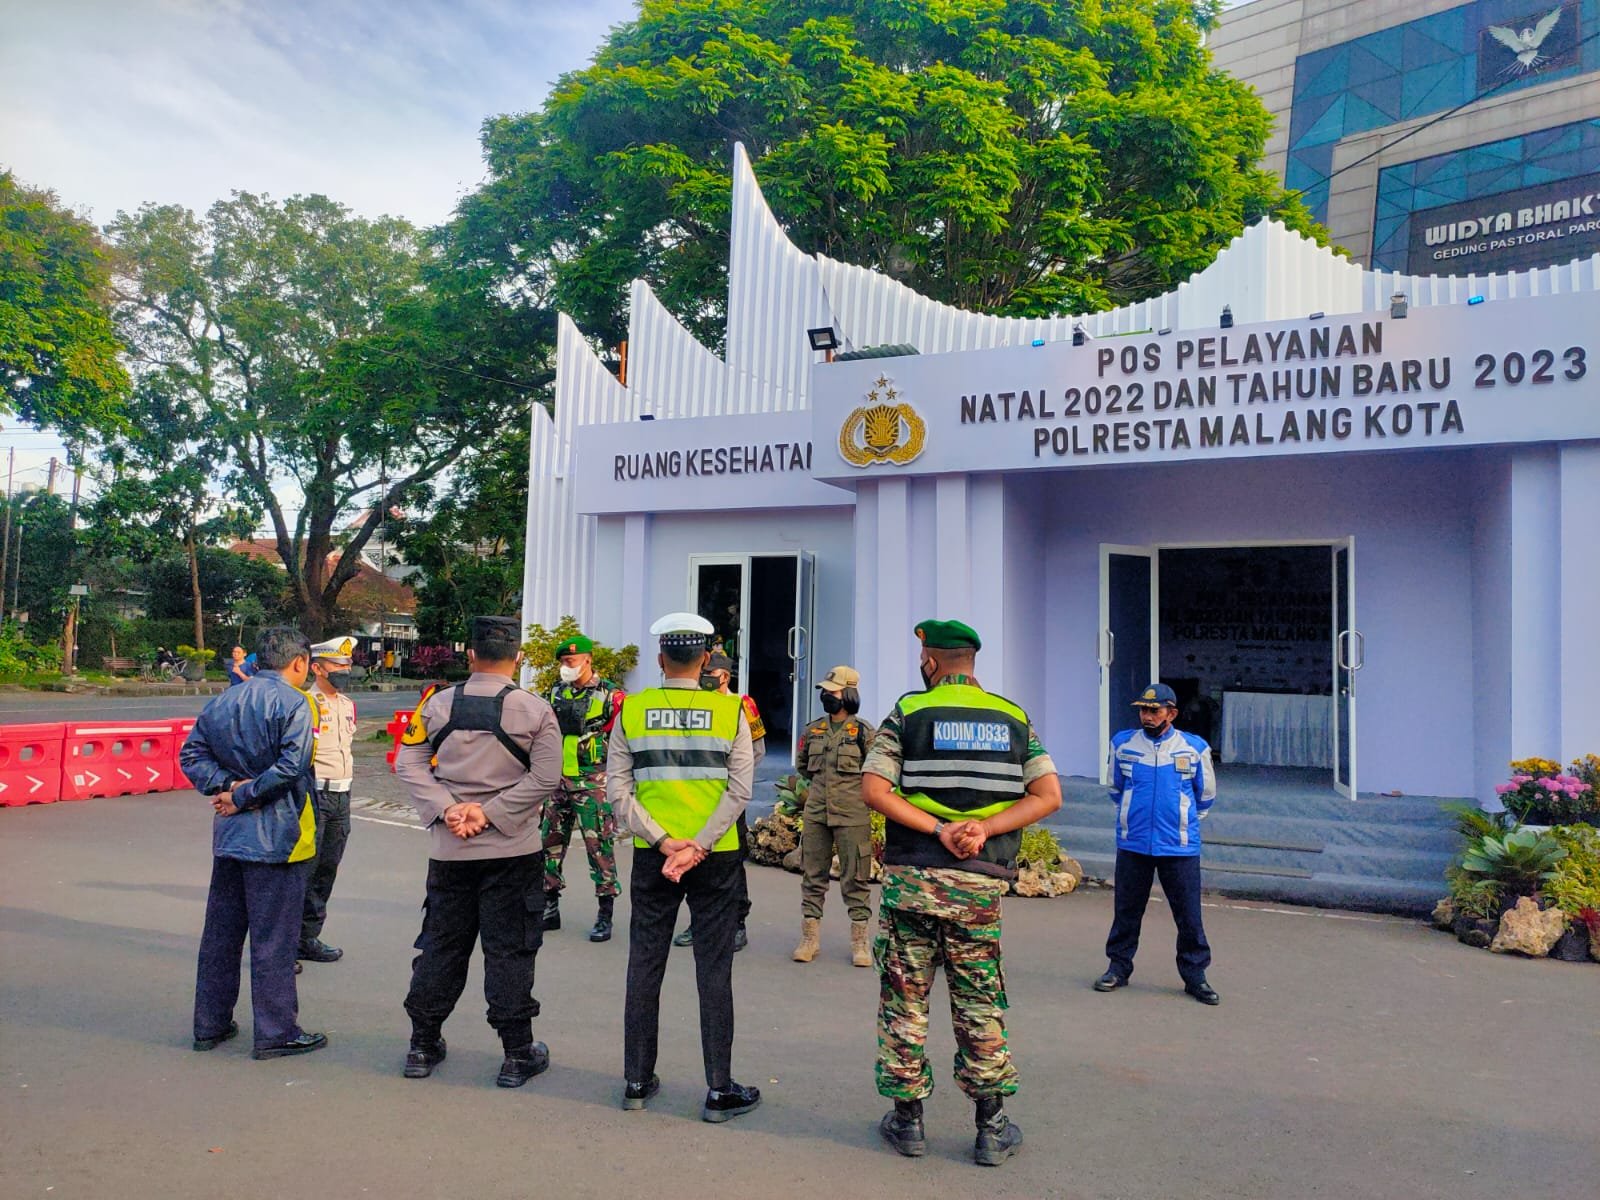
(264, 901)
(744, 881)
(333, 831)
(712, 890)
(1180, 882)
(501, 901)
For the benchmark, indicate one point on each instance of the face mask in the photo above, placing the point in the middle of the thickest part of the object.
(1156, 731)
(831, 703)
(710, 683)
(570, 674)
(338, 680)
(927, 670)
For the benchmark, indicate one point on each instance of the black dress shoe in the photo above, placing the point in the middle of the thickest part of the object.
(1109, 982)
(636, 1095)
(522, 1064)
(422, 1058)
(304, 1044)
(215, 1040)
(686, 938)
(723, 1104)
(317, 950)
(902, 1128)
(741, 939)
(1203, 992)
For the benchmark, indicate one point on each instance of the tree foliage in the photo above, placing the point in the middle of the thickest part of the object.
(306, 355)
(1016, 156)
(58, 351)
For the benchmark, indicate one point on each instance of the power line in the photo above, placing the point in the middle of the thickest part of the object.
(1444, 116)
(421, 362)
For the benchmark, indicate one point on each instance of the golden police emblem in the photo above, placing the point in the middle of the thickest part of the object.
(883, 430)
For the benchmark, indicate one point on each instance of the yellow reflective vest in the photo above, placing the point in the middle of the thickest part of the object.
(680, 741)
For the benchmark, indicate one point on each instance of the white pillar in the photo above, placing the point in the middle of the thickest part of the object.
(1579, 601)
(1536, 602)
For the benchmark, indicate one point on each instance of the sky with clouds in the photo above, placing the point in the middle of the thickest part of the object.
(376, 103)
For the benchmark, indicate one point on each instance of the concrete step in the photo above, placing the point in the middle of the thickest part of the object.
(1224, 824)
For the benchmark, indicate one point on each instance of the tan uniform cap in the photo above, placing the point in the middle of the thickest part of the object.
(840, 678)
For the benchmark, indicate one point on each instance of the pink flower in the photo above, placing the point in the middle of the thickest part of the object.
(1502, 788)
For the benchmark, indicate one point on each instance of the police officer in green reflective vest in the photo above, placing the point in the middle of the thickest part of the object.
(958, 772)
(679, 773)
(586, 707)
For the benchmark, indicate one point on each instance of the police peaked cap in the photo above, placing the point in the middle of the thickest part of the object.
(575, 645)
(335, 650)
(502, 625)
(682, 629)
(948, 635)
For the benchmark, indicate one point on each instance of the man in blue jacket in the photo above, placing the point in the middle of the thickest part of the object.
(1162, 783)
(251, 752)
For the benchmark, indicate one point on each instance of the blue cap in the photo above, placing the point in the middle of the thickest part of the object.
(1154, 695)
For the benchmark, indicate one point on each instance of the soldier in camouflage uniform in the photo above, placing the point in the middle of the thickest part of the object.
(957, 772)
(586, 707)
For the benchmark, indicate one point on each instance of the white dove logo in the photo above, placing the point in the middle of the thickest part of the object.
(1525, 45)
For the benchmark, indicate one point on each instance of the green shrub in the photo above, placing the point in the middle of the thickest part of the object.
(1039, 849)
(1473, 895)
(792, 792)
(1473, 822)
(1575, 885)
(19, 656)
(539, 652)
(1520, 861)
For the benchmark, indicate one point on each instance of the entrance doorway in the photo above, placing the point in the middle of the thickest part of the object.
(760, 606)
(1258, 641)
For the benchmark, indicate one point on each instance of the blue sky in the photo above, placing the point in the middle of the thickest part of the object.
(376, 103)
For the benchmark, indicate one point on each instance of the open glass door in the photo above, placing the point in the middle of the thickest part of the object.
(760, 606)
(800, 646)
(1128, 636)
(1349, 652)
(719, 587)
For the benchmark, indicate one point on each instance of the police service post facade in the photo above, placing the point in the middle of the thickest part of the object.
(1397, 496)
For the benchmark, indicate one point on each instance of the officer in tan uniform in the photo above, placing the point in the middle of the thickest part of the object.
(836, 818)
(335, 767)
(481, 759)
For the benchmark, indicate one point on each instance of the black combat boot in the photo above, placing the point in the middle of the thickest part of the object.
(425, 1054)
(522, 1064)
(998, 1138)
(902, 1128)
(602, 922)
(552, 911)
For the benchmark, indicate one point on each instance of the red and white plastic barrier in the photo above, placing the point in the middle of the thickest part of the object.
(118, 759)
(30, 763)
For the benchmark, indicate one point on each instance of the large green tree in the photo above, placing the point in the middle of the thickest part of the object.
(1015, 156)
(58, 350)
(322, 367)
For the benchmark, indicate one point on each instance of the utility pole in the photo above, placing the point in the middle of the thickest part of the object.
(5, 543)
(50, 488)
(16, 567)
(69, 637)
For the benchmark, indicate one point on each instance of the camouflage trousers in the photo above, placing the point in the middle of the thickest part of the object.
(581, 802)
(931, 917)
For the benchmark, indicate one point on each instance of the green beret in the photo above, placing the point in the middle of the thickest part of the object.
(948, 635)
(575, 645)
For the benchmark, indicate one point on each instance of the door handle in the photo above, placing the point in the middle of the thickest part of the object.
(1351, 639)
(795, 643)
(1111, 649)
(1360, 648)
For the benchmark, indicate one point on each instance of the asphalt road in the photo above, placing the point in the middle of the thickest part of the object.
(1353, 1056)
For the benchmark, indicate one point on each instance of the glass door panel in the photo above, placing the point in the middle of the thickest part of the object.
(1128, 640)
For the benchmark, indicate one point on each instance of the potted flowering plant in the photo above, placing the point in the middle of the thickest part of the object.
(1539, 793)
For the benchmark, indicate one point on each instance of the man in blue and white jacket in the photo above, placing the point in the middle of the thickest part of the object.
(1162, 783)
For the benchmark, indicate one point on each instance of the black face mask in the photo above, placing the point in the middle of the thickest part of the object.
(928, 674)
(338, 680)
(1156, 731)
(831, 703)
(709, 682)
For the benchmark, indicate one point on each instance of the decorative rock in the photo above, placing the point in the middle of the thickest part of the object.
(1573, 945)
(1594, 942)
(1470, 931)
(1071, 866)
(772, 837)
(791, 861)
(1033, 882)
(1444, 914)
(1526, 929)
